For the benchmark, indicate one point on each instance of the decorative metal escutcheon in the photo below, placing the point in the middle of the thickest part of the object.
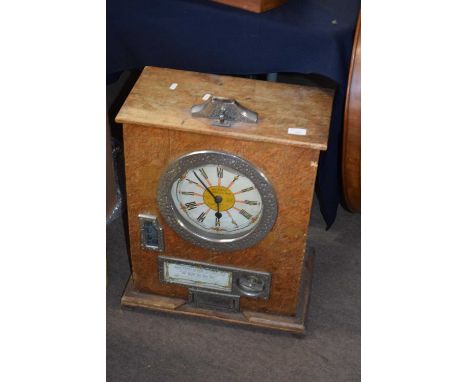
(225, 111)
(151, 233)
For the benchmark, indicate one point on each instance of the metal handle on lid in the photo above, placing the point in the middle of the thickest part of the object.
(225, 111)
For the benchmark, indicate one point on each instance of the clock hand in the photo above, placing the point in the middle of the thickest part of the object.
(207, 189)
(218, 199)
(218, 214)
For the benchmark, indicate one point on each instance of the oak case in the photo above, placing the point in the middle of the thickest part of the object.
(158, 129)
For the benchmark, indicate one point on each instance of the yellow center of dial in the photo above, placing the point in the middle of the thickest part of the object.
(225, 193)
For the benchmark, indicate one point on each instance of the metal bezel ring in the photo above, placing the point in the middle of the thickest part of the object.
(195, 235)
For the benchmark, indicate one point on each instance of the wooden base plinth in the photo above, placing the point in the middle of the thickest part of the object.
(132, 298)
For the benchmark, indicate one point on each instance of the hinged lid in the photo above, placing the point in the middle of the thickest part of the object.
(287, 114)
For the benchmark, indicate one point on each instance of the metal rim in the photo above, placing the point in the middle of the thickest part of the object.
(191, 232)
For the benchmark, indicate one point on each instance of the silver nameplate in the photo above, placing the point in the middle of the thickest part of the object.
(197, 276)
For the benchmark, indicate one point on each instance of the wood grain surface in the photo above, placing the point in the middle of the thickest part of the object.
(351, 162)
(253, 5)
(291, 170)
(158, 129)
(280, 106)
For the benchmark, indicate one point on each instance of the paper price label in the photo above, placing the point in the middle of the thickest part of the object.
(297, 131)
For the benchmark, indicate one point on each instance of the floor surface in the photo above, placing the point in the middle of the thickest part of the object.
(149, 346)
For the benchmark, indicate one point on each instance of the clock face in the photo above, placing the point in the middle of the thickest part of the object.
(217, 200)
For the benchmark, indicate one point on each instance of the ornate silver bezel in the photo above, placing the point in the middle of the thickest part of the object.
(195, 235)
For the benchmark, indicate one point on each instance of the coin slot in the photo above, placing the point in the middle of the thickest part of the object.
(251, 285)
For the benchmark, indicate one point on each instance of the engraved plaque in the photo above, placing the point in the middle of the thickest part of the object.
(198, 276)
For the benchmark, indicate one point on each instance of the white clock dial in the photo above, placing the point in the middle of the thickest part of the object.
(217, 199)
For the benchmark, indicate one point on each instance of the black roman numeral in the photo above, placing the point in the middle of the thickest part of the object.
(202, 217)
(220, 171)
(191, 181)
(247, 189)
(202, 171)
(251, 203)
(191, 205)
(187, 193)
(245, 214)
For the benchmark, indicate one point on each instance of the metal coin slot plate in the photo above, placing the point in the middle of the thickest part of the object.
(224, 284)
(151, 233)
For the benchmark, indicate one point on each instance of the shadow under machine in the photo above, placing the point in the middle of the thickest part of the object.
(220, 173)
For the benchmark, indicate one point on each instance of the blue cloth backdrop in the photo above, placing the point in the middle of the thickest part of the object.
(302, 36)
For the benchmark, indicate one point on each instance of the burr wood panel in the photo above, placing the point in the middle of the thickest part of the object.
(290, 169)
